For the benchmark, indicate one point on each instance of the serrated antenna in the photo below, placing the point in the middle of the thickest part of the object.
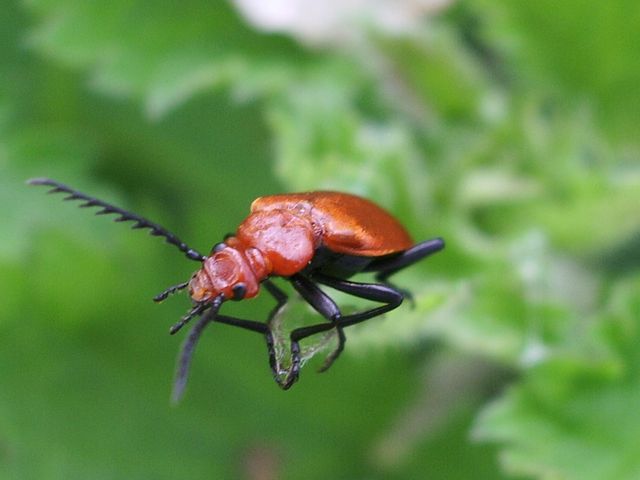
(124, 215)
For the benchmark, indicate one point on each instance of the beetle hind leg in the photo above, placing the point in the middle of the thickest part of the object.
(386, 294)
(387, 266)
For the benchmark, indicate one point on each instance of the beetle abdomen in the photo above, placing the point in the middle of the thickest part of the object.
(335, 264)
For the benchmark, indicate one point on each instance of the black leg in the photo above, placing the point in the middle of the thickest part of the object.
(189, 345)
(320, 301)
(385, 267)
(191, 341)
(326, 307)
(262, 328)
(250, 325)
(211, 315)
(390, 296)
(386, 294)
(281, 299)
(388, 266)
(276, 292)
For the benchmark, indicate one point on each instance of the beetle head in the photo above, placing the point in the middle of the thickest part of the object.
(227, 272)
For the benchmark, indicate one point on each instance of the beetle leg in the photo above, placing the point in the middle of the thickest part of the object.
(321, 302)
(384, 293)
(297, 335)
(281, 299)
(390, 296)
(385, 267)
(376, 292)
(388, 266)
(275, 292)
(326, 307)
(188, 348)
(264, 329)
(342, 339)
(189, 345)
(250, 325)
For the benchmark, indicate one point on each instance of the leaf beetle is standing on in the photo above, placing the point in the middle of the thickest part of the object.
(309, 239)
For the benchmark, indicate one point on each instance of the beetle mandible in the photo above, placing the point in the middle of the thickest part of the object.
(309, 239)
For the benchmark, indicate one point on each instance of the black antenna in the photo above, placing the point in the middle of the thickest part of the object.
(125, 216)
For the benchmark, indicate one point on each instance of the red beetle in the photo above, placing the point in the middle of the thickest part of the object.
(306, 238)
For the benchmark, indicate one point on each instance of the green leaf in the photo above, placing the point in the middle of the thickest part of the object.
(163, 56)
(568, 47)
(576, 417)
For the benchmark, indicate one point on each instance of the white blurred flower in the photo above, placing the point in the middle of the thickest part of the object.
(337, 21)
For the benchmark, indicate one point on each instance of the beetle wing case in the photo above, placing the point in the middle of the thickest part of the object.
(346, 223)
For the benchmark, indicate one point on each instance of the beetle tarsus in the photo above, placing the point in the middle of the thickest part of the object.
(294, 373)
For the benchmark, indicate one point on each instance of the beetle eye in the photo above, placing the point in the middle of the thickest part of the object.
(239, 291)
(217, 247)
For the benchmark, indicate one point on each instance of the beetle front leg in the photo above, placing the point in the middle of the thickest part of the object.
(213, 316)
(265, 329)
(281, 299)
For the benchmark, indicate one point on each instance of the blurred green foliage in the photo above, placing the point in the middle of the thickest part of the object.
(509, 128)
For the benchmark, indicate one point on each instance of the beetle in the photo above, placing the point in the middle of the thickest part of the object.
(309, 239)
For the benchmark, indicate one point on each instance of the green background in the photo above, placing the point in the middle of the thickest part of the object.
(509, 128)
